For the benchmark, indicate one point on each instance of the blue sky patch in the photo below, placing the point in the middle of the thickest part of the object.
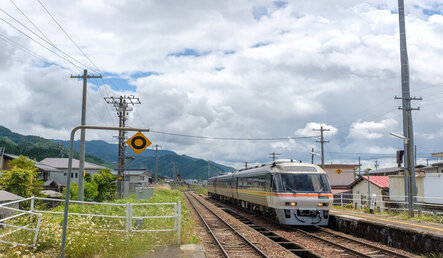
(260, 44)
(229, 52)
(121, 82)
(430, 12)
(259, 11)
(220, 68)
(280, 4)
(188, 52)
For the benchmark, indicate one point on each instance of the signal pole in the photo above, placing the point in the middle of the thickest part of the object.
(246, 164)
(81, 166)
(409, 172)
(322, 141)
(121, 105)
(156, 162)
(273, 154)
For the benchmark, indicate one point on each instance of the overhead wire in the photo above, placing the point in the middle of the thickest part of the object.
(31, 38)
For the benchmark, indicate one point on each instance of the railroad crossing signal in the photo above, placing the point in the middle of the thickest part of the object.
(338, 171)
(138, 142)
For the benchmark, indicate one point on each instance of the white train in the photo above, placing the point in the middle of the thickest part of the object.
(291, 192)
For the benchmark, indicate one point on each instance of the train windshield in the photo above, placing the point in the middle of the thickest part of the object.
(305, 183)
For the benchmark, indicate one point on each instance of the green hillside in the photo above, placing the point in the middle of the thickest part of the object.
(105, 154)
(37, 147)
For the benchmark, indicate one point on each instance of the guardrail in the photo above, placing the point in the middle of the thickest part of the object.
(390, 202)
(127, 210)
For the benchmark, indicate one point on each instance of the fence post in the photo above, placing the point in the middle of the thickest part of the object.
(179, 221)
(32, 203)
(341, 199)
(127, 219)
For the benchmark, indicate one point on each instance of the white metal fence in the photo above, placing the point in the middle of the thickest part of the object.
(390, 203)
(127, 212)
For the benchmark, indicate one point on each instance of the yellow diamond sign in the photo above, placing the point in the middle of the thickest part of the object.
(138, 142)
(338, 171)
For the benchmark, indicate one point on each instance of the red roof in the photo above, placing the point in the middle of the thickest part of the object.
(380, 181)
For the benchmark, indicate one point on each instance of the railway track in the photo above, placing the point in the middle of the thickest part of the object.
(343, 245)
(230, 242)
(365, 249)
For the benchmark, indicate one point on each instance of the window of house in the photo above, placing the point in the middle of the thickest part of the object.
(142, 178)
(76, 175)
(72, 175)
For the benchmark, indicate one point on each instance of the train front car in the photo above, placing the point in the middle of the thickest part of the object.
(301, 194)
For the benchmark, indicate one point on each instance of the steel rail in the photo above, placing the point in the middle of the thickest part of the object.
(381, 249)
(233, 229)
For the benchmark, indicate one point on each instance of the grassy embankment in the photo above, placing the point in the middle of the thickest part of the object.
(87, 236)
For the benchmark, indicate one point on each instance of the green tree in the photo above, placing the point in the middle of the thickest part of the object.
(91, 191)
(21, 178)
(106, 185)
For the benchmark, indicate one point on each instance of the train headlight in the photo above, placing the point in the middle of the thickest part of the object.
(321, 204)
(291, 204)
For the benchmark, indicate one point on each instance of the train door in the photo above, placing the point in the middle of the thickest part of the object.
(236, 188)
(269, 184)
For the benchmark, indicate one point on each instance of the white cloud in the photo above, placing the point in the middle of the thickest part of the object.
(337, 66)
(308, 130)
(371, 129)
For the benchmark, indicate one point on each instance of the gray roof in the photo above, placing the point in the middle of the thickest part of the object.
(384, 170)
(7, 196)
(39, 165)
(62, 163)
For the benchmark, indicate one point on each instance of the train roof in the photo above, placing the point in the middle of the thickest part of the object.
(284, 165)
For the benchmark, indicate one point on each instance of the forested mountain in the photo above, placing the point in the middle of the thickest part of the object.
(105, 154)
(187, 167)
(37, 147)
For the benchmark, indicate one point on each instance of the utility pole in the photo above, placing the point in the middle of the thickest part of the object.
(61, 152)
(209, 169)
(2, 151)
(81, 166)
(359, 166)
(322, 141)
(376, 165)
(312, 156)
(121, 105)
(273, 155)
(156, 162)
(246, 164)
(409, 172)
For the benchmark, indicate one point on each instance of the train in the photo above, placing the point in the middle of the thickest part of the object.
(291, 192)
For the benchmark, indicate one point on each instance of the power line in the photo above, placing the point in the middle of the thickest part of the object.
(69, 37)
(64, 58)
(233, 138)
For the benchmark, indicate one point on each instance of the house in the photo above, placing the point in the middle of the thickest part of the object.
(44, 169)
(341, 175)
(378, 185)
(136, 178)
(61, 164)
(8, 197)
(434, 168)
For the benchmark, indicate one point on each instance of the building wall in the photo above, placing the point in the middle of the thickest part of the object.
(433, 188)
(60, 177)
(345, 178)
(4, 213)
(397, 187)
(360, 193)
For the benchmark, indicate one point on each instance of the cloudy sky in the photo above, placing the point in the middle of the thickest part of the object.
(227, 69)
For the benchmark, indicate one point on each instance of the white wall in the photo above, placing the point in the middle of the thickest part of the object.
(433, 187)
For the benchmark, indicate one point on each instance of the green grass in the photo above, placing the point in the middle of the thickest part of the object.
(86, 236)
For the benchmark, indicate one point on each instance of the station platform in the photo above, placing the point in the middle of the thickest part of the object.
(416, 237)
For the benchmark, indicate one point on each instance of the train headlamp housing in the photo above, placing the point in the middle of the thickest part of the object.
(321, 204)
(291, 204)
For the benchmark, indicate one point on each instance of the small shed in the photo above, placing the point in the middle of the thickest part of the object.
(378, 185)
(6, 197)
